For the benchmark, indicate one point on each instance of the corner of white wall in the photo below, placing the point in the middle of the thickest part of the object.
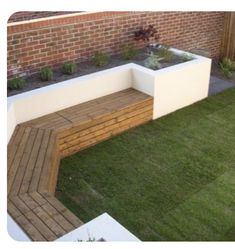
(181, 85)
(143, 79)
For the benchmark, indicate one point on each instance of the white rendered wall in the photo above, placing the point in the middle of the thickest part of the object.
(143, 79)
(58, 96)
(181, 85)
(174, 87)
(11, 120)
(103, 226)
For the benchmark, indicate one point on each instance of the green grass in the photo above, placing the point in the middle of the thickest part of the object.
(170, 179)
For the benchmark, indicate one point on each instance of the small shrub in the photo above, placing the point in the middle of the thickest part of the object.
(165, 53)
(226, 72)
(100, 59)
(46, 74)
(69, 68)
(226, 67)
(186, 57)
(16, 83)
(226, 62)
(153, 61)
(129, 52)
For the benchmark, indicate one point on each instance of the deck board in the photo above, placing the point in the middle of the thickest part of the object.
(33, 232)
(36, 147)
(17, 159)
(32, 162)
(23, 163)
(33, 186)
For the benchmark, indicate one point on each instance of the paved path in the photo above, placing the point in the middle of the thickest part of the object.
(218, 85)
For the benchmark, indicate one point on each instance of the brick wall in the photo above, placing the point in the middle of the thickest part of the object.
(29, 15)
(51, 42)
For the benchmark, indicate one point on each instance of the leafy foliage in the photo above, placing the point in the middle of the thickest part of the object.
(153, 61)
(165, 53)
(129, 52)
(69, 68)
(186, 57)
(46, 74)
(16, 83)
(227, 66)
(100, 59)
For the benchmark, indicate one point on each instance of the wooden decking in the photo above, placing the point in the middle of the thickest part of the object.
(36, 147)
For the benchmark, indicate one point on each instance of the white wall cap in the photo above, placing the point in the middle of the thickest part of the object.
(102, 227)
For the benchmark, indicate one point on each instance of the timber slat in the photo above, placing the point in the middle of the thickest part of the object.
(12, 209)
(84, 108)
(32, 162)
(101, 126)
(49, 158)
(33, 186)
(41, 226)
(59, 218)
(82, 126)
(51, 211)
(36, 147)
(45, 121)
(95, 137)
(22, 168)
(13, 167)
(63, 210)
(55, 227)
(38, 198)
(29, 228)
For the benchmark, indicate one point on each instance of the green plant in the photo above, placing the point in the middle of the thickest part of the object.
(129, 52)
(69, 68)
(186, 57)
(165, 53)
(46, 74)
(153, 61)
(226, 72)
(16, 83)
(226, 62)
(226, 67)
(100, 59)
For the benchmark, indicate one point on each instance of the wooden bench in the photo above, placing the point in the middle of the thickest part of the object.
(36, 147)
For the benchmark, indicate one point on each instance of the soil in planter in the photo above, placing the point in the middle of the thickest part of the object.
(87, 67)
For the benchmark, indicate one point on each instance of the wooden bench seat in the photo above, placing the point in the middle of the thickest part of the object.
(36, 147)
(42, 216)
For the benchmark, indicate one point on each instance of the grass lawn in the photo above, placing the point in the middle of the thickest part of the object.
(170, 179)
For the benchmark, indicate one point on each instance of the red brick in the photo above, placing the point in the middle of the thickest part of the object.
(62, 39)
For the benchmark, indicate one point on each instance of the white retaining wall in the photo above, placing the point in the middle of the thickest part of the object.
(181, 85)
(174, 87)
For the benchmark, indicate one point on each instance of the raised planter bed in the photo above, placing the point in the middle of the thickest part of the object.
(171, 88)
(87, 67)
